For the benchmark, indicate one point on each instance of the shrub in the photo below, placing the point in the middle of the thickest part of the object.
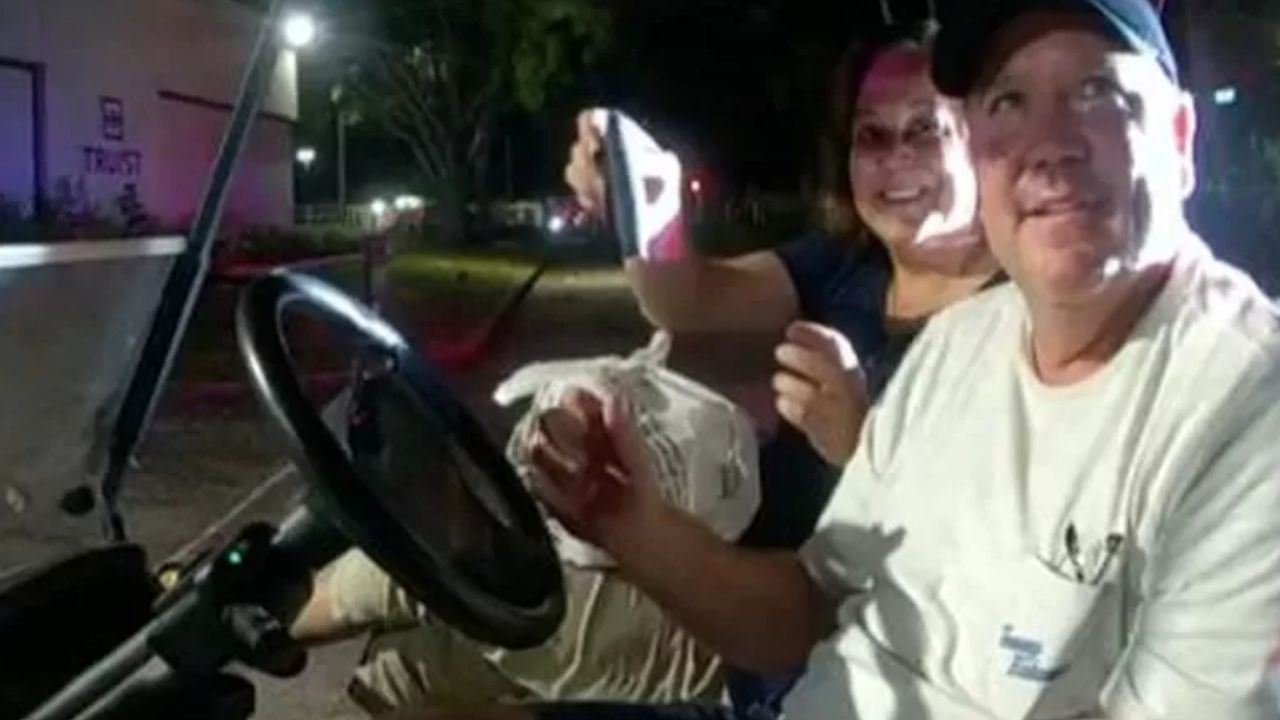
(281, 245)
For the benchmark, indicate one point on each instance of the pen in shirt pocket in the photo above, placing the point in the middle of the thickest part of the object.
(1115, 541)
(1071, 538)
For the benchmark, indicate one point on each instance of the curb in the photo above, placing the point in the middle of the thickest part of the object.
(247, 272)
(451, 355)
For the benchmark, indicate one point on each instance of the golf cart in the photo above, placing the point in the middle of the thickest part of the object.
(405, 473)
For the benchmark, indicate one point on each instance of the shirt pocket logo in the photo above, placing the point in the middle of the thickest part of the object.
(1032, 642)
(1028, 660)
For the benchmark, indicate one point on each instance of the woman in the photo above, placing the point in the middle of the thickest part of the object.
(905, 175)
(901, 242)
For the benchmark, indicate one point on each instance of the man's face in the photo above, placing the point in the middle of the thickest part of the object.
(1076, 152)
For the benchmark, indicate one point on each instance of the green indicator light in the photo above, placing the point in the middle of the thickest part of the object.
(235, 557)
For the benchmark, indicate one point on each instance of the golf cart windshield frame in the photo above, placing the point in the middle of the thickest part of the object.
(28, 256)
(187, 277)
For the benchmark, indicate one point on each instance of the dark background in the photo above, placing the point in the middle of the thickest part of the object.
(739, 88)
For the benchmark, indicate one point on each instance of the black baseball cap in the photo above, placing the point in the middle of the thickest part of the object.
(967, 34)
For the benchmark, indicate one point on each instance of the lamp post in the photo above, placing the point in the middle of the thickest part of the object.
(341, 117)
(300, 30)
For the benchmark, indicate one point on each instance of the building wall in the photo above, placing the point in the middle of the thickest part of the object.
(138, 92)
(17, 134)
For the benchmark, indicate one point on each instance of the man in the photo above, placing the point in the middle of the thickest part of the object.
(1067, 503)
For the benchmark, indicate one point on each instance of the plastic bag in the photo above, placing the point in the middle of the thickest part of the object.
(704, 445)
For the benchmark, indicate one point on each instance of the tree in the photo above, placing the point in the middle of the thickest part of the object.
(436, 74)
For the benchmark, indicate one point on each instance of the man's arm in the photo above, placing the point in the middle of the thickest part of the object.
(1208, 628)
(759, 610)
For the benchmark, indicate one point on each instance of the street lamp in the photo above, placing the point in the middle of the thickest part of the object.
(299, 30)
(306, 157)
(405, 203)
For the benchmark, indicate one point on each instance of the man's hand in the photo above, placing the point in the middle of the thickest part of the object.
(821, 390)
(584, 173)
(593, 470)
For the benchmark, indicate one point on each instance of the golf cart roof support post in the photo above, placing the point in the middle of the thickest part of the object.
(182, 288)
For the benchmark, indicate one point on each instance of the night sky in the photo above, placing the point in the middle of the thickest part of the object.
(737, 86)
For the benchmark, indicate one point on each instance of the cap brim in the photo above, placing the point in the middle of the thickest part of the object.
(961, 48)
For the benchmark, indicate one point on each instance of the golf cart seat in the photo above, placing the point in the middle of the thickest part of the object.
(59, 618)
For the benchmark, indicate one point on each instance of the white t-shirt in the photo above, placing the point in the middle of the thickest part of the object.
(946, 540)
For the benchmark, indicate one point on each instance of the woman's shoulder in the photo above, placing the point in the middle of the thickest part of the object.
(842, 285)
(847, 247)
(823, 254)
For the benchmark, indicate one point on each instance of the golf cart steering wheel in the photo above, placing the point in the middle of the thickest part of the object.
(416, 484)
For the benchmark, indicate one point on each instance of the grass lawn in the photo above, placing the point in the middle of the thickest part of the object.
(442, 296)
(458, 279)
(427, 296)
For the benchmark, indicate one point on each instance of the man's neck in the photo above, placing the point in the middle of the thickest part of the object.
(1070, 342)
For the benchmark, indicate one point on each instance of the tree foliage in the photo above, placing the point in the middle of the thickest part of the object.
(436, 75)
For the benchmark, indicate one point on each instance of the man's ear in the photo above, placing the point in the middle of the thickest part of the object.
(1184, 136)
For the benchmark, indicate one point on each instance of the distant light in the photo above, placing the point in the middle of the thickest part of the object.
(299, 30)
(235, 557)
(1225, 96)
(408, 202)
(556, 223)
(695, 186)
(379, 207)
(306, 157)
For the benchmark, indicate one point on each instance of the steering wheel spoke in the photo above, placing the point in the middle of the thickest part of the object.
(416, 484)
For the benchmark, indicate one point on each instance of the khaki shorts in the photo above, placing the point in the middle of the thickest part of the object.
(614, 644)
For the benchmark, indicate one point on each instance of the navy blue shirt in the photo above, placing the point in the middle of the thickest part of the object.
(842, 286)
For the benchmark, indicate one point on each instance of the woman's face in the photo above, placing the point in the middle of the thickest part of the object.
(909, 168)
